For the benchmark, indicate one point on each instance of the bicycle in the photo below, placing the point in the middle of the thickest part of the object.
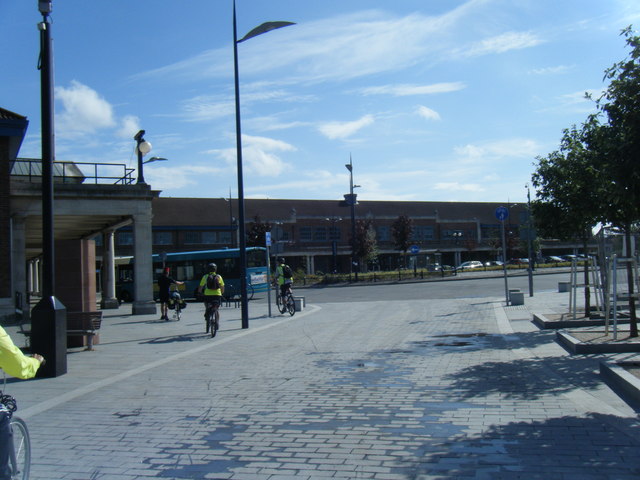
(19, 441)
(175, 303)
(285, 303)
(212, 317)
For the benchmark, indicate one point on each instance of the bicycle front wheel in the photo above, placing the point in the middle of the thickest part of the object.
(291, 305)
(20, 451)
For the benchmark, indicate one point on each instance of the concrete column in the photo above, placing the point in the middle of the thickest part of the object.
(311, 264)
(143, 302)
(19, 262)
(108, 271)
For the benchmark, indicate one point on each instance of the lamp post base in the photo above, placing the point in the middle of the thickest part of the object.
(49, 336)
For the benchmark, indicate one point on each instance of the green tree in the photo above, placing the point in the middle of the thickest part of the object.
(257, 229)
(402, 230)
(366, 243)
(614, 140)
(567, 204)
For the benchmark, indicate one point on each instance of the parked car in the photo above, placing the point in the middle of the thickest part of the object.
(553, 259)
(518, 261)
(470, 265)
(493, 263)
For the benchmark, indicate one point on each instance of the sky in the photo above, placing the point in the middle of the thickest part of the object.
(432, 100)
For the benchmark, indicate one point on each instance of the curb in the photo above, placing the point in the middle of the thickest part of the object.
(543, 322)
(620, 380)
(576, 347)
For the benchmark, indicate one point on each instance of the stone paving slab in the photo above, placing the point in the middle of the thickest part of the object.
(429, 389)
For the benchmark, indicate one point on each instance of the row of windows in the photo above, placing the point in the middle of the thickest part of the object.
(167, 238)
(421, 233)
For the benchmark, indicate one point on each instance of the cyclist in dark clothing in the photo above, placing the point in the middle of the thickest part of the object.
(164, 282)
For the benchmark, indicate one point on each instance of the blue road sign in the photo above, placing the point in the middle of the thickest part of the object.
(267, 238)
(502, 213)
(414, 249)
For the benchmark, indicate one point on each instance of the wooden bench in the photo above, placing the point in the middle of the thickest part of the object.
(84, 324)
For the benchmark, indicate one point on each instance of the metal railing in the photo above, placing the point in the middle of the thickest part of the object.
(75, 172)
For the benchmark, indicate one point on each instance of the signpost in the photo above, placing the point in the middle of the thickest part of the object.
(502, 213)
(267, 242)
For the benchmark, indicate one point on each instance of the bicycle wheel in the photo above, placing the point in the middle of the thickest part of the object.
(177, 312)
(20, 451)
(214, 323)
(249, 291)
(282, 307)
(291, 304)
(207, 319)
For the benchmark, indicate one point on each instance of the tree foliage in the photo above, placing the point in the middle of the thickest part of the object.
(401, 231)
(366, 243)
(256, 236)
(594, 176)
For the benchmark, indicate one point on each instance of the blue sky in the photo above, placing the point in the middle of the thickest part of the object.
(439, 100)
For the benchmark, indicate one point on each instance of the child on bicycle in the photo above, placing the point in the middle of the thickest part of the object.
(164, 284)
(212, 287)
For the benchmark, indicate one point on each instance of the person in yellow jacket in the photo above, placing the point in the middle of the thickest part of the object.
(19, 365)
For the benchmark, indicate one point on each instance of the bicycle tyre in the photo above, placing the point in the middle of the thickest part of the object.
(250, 291)
(20, 450)
(281, 306)
(291, 305)
(208, 322)
(178, 311)
(214, 324)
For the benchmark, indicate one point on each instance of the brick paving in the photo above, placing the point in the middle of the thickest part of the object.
(425, 389)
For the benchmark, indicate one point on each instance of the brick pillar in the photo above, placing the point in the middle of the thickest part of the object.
(76, 275)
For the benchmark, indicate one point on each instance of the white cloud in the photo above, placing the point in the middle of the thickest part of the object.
(340, 130)
(457, 187)
(503, 43)
(429, 114)
(509, 148)
(406, 90)
(83, 110)
(168, 178)
(258, 155)
(130, 125)
(557, 70)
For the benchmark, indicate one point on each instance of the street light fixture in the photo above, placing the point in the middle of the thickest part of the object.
(142, 148)
(264, 28)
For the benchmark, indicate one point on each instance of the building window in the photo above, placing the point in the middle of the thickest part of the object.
(125, 238)
(209, 238)
(306, 234)
(162, 238)
(320, 234)
(383, 234)
(192, 238)
(224, 237)
(422, 233)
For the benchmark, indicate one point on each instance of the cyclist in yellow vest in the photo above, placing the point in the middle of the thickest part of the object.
(19, 365)
(284, 277)
(212, 296)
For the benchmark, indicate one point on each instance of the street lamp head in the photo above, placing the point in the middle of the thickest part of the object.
(138, 136)
(154, 159)
(143, 147)
(44, 7)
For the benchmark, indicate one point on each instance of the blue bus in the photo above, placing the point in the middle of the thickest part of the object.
(189, 267)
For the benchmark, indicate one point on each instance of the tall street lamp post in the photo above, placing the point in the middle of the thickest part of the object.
(142, 148)
(49, 316)
(352, 203)
(242, 245)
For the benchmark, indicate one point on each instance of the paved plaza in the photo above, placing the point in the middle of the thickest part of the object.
(394, 390)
